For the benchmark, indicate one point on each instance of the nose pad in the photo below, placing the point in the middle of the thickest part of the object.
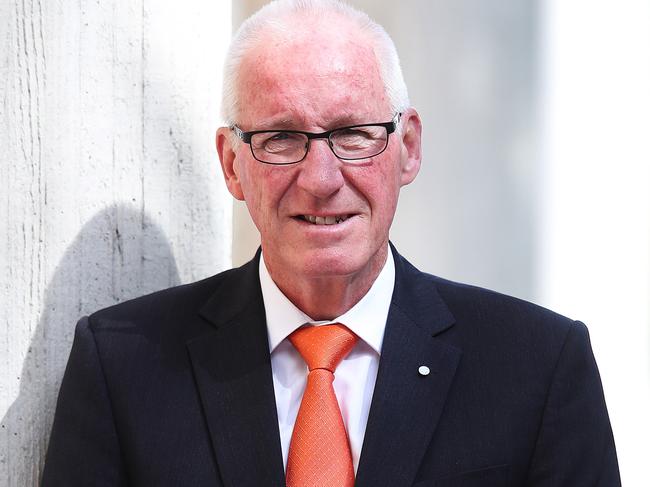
(330, 146)
(320, 172)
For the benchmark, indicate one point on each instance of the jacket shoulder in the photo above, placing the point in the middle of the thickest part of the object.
(473, 301)
(476, 305)
(172, 305)
(507, 328)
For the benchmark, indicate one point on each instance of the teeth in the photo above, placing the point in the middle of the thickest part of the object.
(325, 220)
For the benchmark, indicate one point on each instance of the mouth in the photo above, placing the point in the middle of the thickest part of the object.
(324, 220)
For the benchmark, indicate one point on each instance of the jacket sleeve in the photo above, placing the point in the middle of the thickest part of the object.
(84, 448)
(575, 445)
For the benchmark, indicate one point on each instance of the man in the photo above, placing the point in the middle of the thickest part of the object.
(328, 360)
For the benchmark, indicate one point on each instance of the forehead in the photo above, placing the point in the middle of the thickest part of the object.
(313, 76)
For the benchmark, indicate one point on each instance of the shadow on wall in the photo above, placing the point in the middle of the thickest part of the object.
(119, 254)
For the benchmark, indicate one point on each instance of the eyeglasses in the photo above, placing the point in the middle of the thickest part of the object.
(353, 143)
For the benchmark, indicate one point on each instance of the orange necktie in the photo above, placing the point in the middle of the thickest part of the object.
(319, 452)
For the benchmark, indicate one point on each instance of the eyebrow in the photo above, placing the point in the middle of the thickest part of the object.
(280, 124)
(346, 120)
(290, 123)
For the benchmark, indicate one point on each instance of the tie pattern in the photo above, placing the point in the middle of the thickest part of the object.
(319, 452)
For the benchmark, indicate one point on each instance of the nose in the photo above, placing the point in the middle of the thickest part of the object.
(320, 172)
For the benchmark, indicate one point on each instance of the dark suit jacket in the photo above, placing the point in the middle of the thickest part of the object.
(175, 389)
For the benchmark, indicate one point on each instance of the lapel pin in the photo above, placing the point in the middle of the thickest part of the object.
(423, 370)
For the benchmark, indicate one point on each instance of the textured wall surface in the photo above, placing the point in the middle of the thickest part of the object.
(109, 184)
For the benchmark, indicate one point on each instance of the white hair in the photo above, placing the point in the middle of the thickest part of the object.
(276, 17)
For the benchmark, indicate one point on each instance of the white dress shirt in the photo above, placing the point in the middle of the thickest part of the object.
(354, 380)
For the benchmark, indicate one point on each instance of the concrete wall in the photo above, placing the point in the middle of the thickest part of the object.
(109, 183)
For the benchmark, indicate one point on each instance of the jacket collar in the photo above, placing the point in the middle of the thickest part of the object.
(408, 399)
(232, 368)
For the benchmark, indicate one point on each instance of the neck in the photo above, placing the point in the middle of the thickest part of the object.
(326, 297)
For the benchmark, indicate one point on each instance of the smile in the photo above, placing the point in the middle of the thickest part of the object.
(324, 220)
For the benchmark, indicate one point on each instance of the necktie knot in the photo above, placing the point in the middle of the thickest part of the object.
(323, 347)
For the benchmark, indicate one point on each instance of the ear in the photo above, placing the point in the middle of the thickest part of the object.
(411, 155)
(229, 165)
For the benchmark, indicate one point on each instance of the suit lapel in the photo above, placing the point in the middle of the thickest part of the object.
(232, 367)
(406, 405)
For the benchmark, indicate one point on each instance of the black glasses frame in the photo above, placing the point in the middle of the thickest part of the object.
(247, 136)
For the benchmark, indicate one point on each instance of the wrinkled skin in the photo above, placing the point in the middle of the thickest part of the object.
(318, 80)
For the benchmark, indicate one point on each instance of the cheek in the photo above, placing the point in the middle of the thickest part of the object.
(253, 192)
(263, 188)
(379, 186)
(383, 182)
(385, 193)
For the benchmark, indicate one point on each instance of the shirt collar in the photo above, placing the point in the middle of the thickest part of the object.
(367, 318)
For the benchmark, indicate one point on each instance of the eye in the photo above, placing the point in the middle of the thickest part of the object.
(278, 136)
(353, 133)
(279, 142)
(359, 142)
(356, 137)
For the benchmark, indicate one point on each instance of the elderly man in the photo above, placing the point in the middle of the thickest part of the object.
(328, 360)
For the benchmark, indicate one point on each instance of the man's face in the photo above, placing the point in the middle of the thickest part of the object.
(327, 81)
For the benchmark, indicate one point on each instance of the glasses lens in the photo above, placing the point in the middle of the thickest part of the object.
(359, 142)
(279, 147)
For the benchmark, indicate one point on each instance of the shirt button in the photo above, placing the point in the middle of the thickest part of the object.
(424, 370)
